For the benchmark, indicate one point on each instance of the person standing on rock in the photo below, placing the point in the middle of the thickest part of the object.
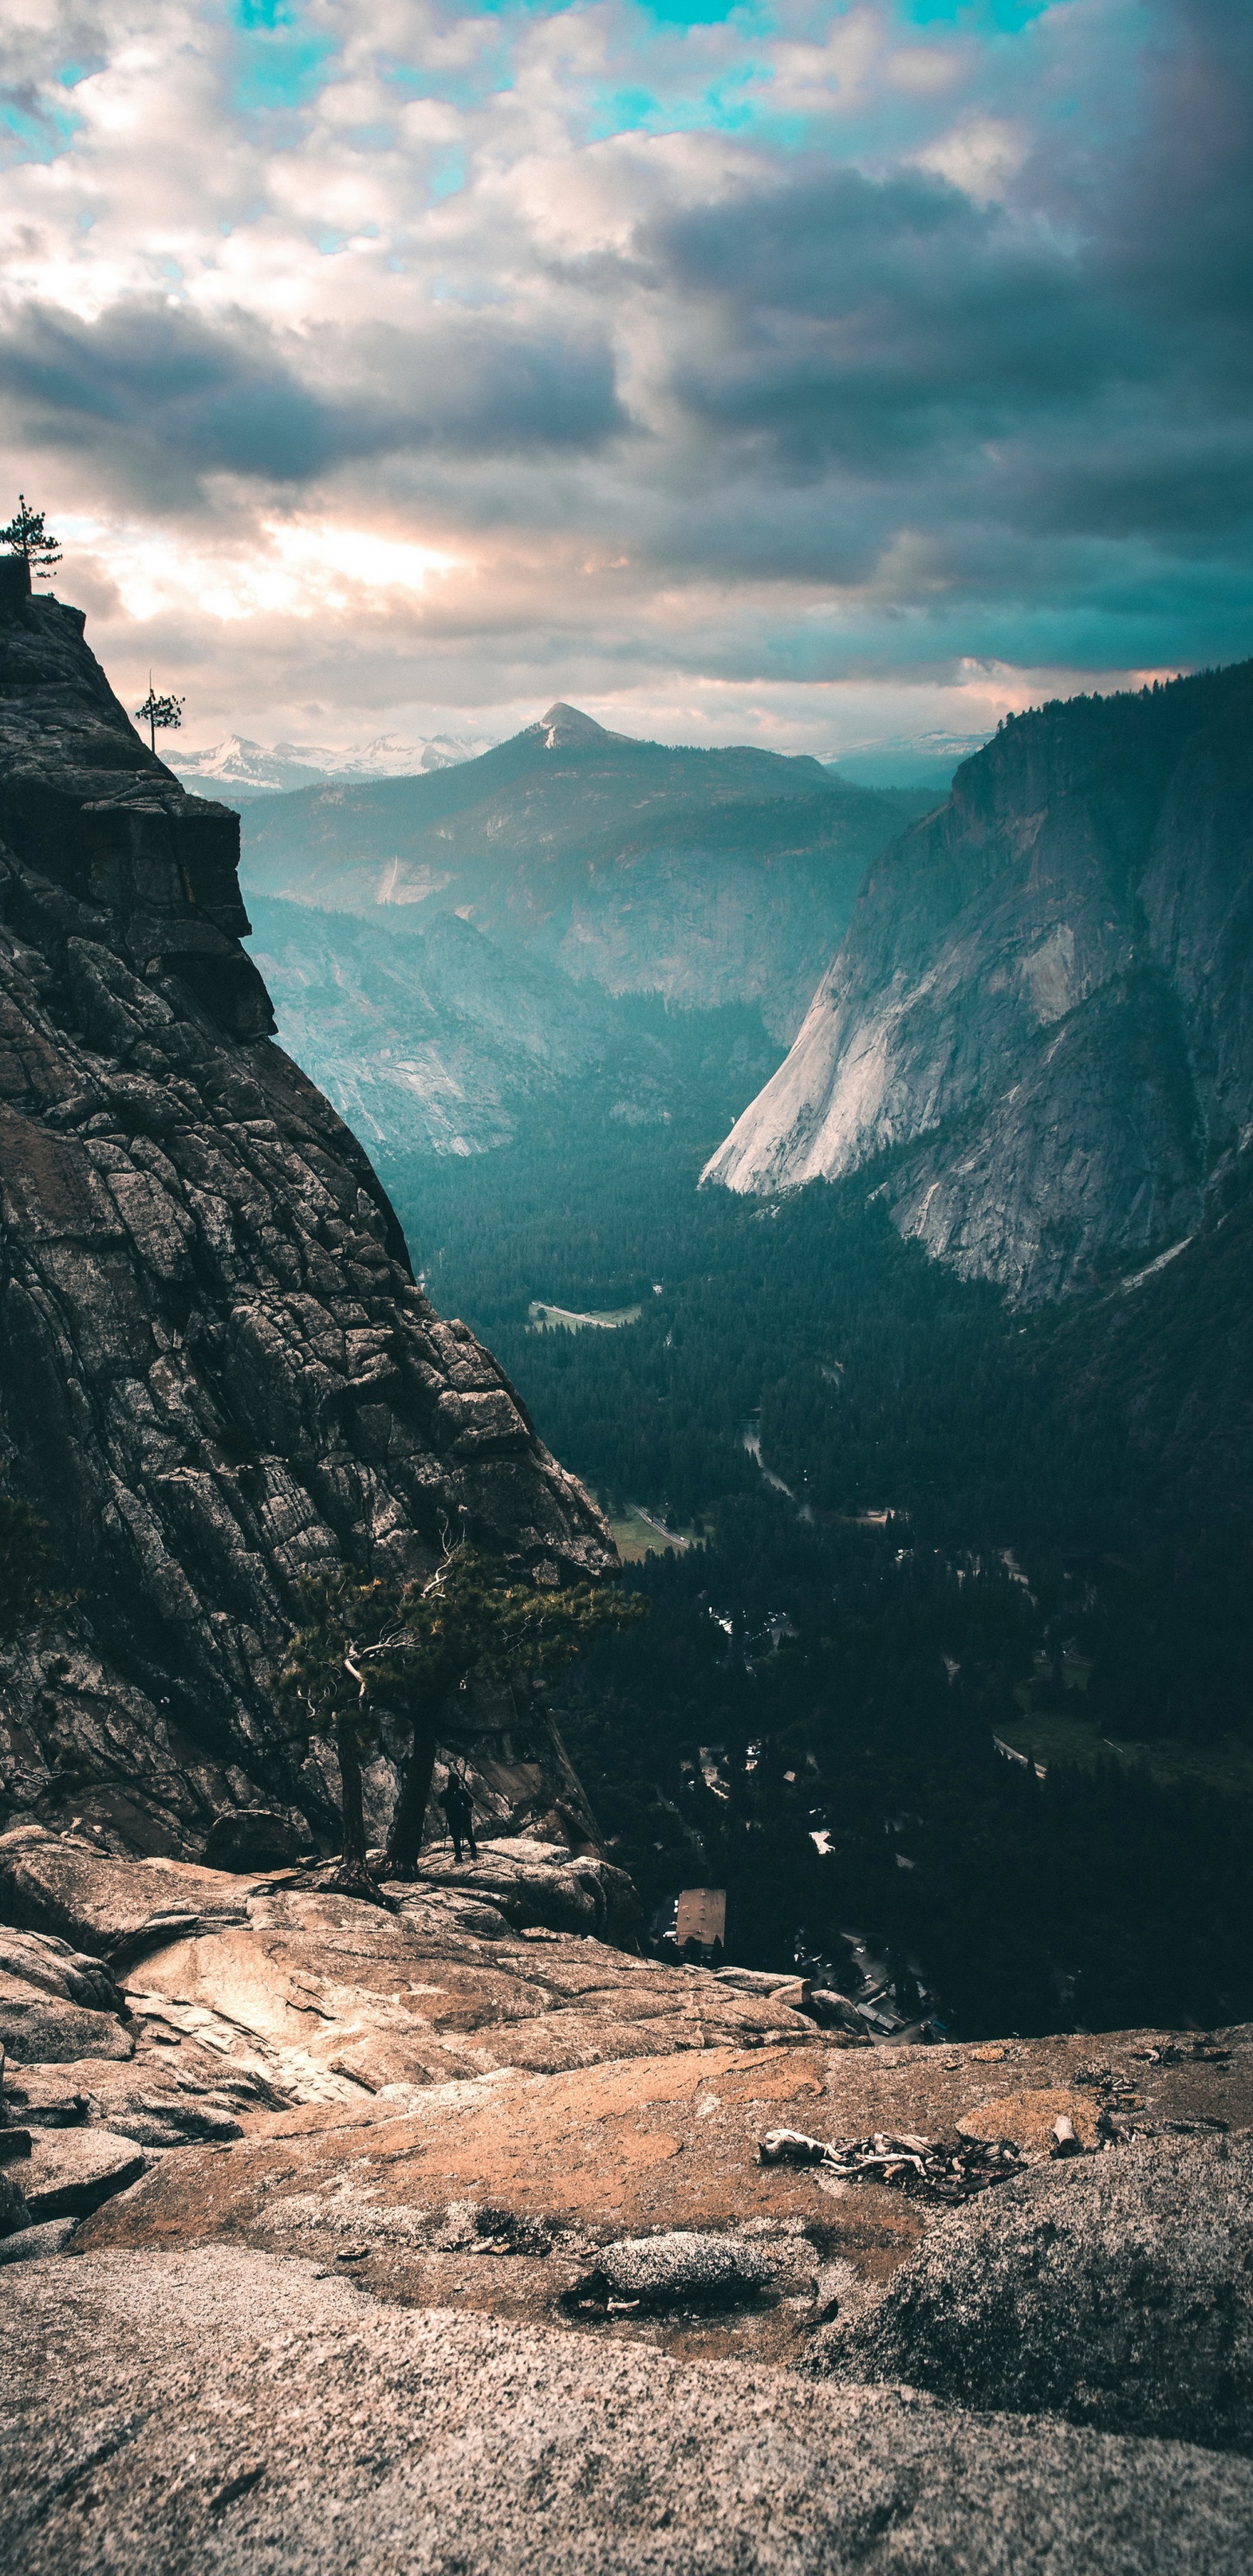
(458, 1806)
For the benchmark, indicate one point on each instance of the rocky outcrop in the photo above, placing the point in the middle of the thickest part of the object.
(559, 2162)
(222, 2410)
(216, 1371)
(1113, 2289)
(1043, 1009)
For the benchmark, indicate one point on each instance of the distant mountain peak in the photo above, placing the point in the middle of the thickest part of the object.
(564, 724)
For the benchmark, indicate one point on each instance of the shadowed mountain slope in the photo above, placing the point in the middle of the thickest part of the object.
(707, 876)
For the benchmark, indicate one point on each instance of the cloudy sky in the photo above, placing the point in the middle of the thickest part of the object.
(769, 373)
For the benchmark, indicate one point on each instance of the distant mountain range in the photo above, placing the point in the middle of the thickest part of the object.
(906, 760)
(433, 1040)
(241, 770)
(709, 877)
(1037, 1035)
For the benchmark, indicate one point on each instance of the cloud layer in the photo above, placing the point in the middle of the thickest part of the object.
(785, 374)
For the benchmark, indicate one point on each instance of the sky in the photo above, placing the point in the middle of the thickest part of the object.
(767, 373)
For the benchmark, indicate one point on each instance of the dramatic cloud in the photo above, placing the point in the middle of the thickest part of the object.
(786, 376)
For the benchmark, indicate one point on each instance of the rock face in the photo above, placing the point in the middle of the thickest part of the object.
(708, 876)
(440, 1041)
(216, 1371)
(194, 2414)
(547, 2153)
(1044, 1005)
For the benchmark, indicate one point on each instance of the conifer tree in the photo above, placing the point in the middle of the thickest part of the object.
(26, 535)
(371, 1651)
(162, 715)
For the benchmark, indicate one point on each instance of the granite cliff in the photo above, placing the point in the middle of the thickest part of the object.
(1042, 1011)
(216, 1370)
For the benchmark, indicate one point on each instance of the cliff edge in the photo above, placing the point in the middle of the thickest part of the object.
(216, 1370)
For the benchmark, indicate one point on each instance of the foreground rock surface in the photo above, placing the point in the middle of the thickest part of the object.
(1115, 2290)
(230, 2410)
(216, 1371)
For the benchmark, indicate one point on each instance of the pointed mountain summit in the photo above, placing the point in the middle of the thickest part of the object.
(564, 724)
(711, 877)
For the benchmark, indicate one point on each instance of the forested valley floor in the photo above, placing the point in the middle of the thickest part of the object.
(920, 1531)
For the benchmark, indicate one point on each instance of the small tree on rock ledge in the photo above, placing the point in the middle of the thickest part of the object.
(374, 1650)
(161, 715)
(27, 536)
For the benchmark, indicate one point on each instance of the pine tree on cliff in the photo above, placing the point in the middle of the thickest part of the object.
(161, 715)
(372, 1651)
(26, 535)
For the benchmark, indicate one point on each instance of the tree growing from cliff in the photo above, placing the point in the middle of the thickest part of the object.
(372, 1651)
(26, 535)
(160, 714)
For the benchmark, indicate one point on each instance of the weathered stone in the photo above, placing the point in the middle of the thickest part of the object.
(226, 2411)
(12, 2206)
(120, 1908)
(544, 1885)
(50, 2237)
(50, 2096)
(250, 1838)
(1030, 2119)
(217, 1373)
(660, 2271)
(56, 2003)
(39, 1959)
(1114, 2289)
(71, 2171)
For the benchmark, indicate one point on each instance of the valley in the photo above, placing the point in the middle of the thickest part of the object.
(974, 1503)
(884, 1507)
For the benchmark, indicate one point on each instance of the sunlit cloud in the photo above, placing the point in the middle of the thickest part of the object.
(731, 371)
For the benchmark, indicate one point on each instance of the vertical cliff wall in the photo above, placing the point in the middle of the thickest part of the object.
(216, 1370)
(1044, 1005)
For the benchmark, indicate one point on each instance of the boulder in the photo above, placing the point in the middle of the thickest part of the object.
(251, 1838)
(55, 2003)
(13, 2215)
(660, 2271)
(115, 1907)
(545, 1885)
(51, 2237)
(1114, 2289)
(71, 2171)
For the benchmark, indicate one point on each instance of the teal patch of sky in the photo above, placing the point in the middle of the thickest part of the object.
(973, 17)
(31, 130)
(723, 105)
(447, 176)
(692, 13)
(279, 63)
(464, 88)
